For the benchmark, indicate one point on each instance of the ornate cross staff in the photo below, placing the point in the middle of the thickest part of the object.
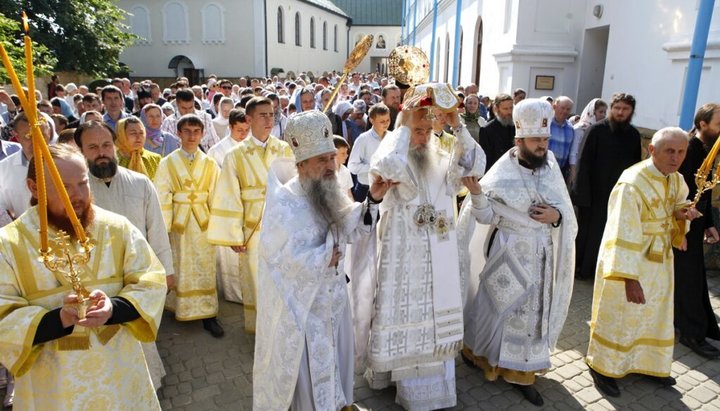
(67, 264)
(42, 156)
(356, 56)
(701, 177)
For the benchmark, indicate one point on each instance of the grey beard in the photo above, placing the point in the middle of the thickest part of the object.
(422, 159)
(505, 122)
(326, 199)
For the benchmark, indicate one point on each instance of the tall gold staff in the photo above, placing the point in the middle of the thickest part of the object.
(356, 56)
(62, 261)
(701, 177)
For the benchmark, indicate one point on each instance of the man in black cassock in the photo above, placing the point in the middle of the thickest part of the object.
(611, 146)
(694, 316)
(498, 135)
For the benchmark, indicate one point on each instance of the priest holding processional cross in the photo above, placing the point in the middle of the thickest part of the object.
(77, 299)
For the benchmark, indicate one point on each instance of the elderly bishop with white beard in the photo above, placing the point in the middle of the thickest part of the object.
(304, 342)
(417, 325)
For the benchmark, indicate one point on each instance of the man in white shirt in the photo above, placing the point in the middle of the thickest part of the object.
(239, 130)
(364, 147)
(185, 101)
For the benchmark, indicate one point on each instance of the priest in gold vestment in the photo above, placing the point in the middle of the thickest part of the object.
(631, 329)
(185, 182)
(240, 197)
(60, 361)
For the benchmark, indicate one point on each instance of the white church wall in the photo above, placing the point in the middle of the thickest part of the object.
(225, 49)
(390, 36)
(303, 58)
(648, 57)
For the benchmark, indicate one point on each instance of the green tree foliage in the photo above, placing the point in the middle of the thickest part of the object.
(11, 38)
(86, 35)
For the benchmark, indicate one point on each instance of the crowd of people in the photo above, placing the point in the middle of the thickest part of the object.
(351, 227)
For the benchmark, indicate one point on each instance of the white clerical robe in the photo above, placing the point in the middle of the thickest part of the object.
(516, 312)
(417, 326)
(100, 368)
(303, 346)
(14, 193)
(133, 196)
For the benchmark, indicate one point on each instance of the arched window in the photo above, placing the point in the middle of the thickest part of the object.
(297, 30)
(281, 25)
(335, 41)
(324, 35)
(175, 23)
(312, 32)
(213, 24)
(140, 24)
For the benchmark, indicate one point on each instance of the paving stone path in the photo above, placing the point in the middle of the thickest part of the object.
(210, 374)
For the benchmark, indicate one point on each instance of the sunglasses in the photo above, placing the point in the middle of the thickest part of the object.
(227, 87)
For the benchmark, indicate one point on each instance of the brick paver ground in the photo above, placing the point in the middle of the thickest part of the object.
(205, 374)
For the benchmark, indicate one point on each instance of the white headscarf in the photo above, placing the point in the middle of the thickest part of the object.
(587, 117)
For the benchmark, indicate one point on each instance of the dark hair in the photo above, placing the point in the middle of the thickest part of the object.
(59, 87)
(705, 113)
(110, 89)
(236, 116)
(254, 102)
(185, 95)
(340, 142)
(91, 97)
(66, 135)
(92, 124)
(388, 88)
(500, 98)
(623, 97)
(60, 119)
(190, 120)
(599, 103)
(378, 110)
(55, 101)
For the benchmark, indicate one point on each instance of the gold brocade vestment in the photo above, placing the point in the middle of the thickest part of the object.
(101, 368)
(238, 207)
(185, 189)
(626, 337)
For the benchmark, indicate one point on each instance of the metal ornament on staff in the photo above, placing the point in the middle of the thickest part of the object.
(58, 260)
(356, 56)
(701, 177)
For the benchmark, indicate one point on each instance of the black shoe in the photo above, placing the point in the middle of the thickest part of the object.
(701, 347)
(530, 394)
(606, 385)
(212, 325)
(664, 381)
(467, 360)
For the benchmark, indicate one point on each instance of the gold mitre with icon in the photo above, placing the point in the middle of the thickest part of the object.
(433, 95)
(309, 134)
(532, 118)
(409, 65)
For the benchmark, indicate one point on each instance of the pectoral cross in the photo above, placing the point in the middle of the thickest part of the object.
(188, 183)
(66, 262)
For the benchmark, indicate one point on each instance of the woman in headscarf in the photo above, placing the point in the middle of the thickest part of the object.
(156, 140)
(342, 111)
(131, 154)
(220, 122)
(595, 111)
(471, 117)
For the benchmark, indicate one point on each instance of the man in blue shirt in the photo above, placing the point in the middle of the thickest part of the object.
(562, 133)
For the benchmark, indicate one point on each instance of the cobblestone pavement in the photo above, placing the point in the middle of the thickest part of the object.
(209, 374)
(204, 373)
